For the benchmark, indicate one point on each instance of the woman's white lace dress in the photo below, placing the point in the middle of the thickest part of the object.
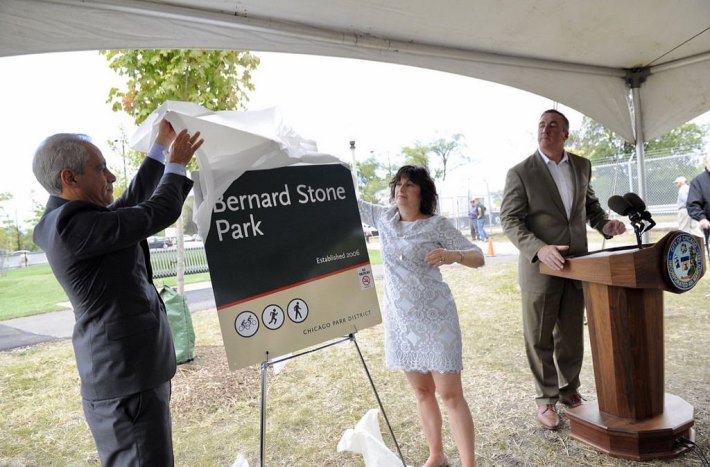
(421, 321)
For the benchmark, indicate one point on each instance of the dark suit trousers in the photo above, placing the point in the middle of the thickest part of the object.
(553, 325)
(134, 430)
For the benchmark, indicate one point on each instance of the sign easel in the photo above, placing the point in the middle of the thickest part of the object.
(284, 246)
(265, 366)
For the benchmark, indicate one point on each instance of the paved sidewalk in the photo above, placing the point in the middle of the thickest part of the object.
(47, 327)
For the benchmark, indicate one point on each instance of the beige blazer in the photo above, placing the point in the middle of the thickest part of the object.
(533, 216)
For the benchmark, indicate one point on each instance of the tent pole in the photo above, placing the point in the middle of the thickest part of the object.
(634, 79)
(638, 131)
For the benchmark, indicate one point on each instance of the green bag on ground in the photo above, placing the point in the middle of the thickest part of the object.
(180, 321)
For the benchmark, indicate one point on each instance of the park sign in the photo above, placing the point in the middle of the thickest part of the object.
(289, 262)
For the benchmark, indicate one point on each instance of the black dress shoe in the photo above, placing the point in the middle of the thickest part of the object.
(571, 400)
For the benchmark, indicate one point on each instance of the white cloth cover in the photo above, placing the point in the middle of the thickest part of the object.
(235, 141)
(366, 439)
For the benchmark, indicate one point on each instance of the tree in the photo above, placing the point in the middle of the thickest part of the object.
(602, 146)
(445, 150)
(372, 179)
(131, 161)
(215, 79)
(6, 238)
(597, 143)
(416, 155)
(681, 140)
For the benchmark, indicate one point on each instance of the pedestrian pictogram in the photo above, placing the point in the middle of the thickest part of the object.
(297, 310)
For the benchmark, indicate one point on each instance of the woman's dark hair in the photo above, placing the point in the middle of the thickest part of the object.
(420, 177)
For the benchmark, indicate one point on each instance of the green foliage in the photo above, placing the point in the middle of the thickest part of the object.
(13, 236)
(416, 155)
(599, 144)
(130, 161)
(373, 178)
(37, 211)
(215, 79)
(681, 140)
(445, 149)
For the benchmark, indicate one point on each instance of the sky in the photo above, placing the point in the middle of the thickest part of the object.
(382, 107)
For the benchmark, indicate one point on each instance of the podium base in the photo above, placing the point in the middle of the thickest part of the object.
(640, 440)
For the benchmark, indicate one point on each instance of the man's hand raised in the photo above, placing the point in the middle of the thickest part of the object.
(184, 147)
(166, 134)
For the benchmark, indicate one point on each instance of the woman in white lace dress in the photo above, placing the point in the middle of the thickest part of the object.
(422, 334)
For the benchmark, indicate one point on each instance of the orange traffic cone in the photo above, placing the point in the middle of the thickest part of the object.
(491, 251)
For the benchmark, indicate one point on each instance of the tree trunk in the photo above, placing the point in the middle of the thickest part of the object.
(180, 250)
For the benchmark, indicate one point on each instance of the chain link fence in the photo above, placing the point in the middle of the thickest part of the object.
(616, 176)
(619, 177)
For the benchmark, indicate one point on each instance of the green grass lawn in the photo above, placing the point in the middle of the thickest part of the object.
(34, 290)
(317, 396)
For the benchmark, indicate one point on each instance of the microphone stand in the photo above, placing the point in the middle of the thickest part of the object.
(638, 230)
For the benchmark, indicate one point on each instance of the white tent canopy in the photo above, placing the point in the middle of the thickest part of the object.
(584, 54)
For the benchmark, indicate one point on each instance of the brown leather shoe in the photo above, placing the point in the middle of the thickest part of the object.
(571, 400)
(547, 417)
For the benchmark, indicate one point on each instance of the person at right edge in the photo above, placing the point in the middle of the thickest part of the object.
(698, 203)
(546, 202)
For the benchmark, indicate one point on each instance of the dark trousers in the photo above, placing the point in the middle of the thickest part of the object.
(553, 325)
(134, 430)
(474, 231)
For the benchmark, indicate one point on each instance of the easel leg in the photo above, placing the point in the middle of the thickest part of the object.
(262, 444)
(265, 366)
(377, 396)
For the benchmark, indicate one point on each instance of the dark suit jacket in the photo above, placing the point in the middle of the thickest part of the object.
(533, 216)
(698, 202)
(122, 341)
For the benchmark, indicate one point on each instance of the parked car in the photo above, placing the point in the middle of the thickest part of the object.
(369, 231)
(155, 243)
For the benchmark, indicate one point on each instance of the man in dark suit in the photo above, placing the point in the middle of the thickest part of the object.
(97, 250)
(698, 202)
(547, 200)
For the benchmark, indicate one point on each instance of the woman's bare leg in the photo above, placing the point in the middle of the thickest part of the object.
(429, 414)
(449, 387)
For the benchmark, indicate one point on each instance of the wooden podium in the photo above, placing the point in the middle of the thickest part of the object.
(633, 417)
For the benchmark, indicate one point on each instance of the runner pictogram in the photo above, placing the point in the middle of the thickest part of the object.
(272, 316)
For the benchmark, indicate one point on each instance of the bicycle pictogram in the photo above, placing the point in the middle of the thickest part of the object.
(246, 324)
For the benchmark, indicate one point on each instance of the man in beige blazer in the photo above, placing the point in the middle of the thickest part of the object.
(547, 201)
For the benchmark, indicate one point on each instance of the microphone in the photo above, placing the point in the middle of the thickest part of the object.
(635, 202)
(638, 211)
(619, 205)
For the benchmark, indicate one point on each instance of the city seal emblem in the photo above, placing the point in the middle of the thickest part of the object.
(682, 261)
